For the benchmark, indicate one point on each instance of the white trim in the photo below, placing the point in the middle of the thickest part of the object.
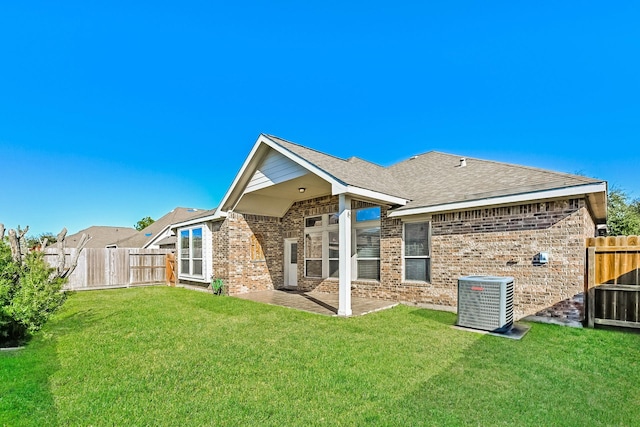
(344, 239)
(374, 195)
(203, 219)
(504, 200)
(207, 254)
(157, 237)
(337, 186)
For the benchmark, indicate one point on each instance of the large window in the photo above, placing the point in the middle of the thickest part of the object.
(321, 246)
(191, 252)
(417, 251)
(367, 243)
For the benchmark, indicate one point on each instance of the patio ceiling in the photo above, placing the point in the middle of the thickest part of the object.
(276, 200)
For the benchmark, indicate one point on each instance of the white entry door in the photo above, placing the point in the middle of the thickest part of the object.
(291, 262)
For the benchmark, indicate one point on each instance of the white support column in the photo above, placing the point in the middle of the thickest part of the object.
(344, 238)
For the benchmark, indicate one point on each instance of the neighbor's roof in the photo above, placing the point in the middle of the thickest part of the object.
(147, 235)
(100, 235)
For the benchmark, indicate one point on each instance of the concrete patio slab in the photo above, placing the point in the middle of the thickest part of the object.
(316, 302)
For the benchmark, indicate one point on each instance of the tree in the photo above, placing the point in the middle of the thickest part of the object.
(30, 289)
(623, 218)
(144, 223)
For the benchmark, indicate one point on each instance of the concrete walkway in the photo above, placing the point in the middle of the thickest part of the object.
(316, 302)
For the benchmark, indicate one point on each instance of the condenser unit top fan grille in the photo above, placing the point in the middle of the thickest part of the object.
(485, 302)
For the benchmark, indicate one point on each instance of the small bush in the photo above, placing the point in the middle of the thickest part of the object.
(217, 286)
(28, 295)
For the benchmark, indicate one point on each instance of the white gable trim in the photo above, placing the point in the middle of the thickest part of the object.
(250, 165)
(504, 200)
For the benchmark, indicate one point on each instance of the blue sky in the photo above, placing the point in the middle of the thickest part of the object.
(113, 111)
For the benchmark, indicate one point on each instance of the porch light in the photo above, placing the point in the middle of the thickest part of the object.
(302, 189)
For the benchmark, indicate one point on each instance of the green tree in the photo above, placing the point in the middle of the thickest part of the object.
(29, 294)
(34, 241)
(623, 217)
(144, 223)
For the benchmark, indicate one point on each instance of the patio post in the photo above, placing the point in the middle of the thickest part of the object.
(344, 239)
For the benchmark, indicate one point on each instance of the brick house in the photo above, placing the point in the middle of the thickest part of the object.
(298, 218)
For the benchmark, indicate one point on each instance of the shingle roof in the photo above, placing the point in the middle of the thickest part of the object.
(353, 171)
(436, 178)
(146, 235)
(100, 235)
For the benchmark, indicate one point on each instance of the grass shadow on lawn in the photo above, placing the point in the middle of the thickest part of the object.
(26, 398)
(495, 383)
(169, 356)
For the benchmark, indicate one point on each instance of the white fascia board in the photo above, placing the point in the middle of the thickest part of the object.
(239, 175)
(207, 218)
(301, 161)
(262, 139)
(372, 195)
(156, 237)
(505, 200)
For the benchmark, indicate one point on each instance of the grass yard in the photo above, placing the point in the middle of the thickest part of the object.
(166, 356)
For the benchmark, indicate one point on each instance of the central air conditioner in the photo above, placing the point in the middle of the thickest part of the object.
(485, 302)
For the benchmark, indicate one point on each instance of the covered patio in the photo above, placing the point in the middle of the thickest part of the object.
(316, 302)
(276, 175)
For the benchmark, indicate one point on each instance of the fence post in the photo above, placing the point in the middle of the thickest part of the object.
(590, 297)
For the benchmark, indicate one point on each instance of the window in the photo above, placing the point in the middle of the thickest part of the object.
(321, 249)
(191, 252)
(313, 254)
(367, 243)
(322, 245)
(417, 251)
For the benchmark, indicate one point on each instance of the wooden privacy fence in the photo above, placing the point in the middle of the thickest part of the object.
(612, 282)
(113, 268)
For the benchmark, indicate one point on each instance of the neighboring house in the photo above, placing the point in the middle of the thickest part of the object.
(298, 218)
(159, 234)
(101, 236)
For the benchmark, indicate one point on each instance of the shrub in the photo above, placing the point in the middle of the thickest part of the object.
(29, 295)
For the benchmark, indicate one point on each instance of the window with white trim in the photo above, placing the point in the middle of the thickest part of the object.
(191, 252)
(321, 253)
(367, 243)
(417, 251)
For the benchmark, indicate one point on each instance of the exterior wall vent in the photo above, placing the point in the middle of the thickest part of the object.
(485, 302)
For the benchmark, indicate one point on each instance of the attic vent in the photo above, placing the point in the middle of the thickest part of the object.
(413, 157)
(463, 162)
(192, 210)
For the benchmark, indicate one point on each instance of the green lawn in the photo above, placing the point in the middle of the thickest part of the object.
(166, 356)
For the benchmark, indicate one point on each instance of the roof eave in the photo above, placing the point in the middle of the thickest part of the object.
(578, 190)
(370, 195)
(212, 217)
(259, 150)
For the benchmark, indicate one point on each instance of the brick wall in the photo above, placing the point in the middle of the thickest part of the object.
(496, 241)
(233, 261)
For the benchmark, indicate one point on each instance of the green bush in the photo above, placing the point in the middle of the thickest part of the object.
(28, 295)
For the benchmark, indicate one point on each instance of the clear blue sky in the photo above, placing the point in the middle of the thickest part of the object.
(113, 111)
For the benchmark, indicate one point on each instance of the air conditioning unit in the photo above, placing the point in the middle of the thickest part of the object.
(485, 302)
